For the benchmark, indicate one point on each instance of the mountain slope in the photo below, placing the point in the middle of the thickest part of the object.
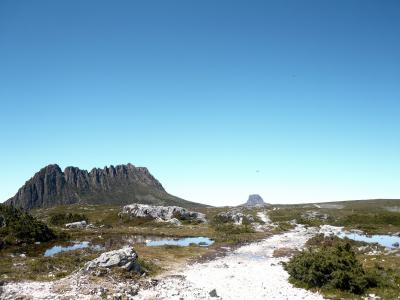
(122, 184)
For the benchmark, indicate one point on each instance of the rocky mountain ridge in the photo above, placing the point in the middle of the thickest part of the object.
(122, 184)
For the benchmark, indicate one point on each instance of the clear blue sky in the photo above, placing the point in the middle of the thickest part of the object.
(204, 93)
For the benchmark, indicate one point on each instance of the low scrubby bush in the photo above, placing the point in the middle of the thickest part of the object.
(330, 267)
(21, 227)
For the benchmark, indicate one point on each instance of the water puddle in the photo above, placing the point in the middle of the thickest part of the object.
(78, 245)
(388, 241)
(184, 242)
(120, 241)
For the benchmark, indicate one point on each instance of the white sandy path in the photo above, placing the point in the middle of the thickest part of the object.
(250, 272)
(264, 217)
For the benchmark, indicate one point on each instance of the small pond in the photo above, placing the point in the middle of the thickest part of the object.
(200, 241)
(77, 245)
(120, 241)
(383, 240)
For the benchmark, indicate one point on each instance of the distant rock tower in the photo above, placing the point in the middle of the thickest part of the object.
(255, 200)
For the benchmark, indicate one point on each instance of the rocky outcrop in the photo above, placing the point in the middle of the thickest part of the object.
(164, 213)
(125, 258)
(235, 216)
(121, 184)
(314, 215)
(255, 200)
(76, 225)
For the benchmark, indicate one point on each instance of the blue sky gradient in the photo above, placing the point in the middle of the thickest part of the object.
(204, 93)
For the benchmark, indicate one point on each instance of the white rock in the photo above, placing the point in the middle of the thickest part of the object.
(164, 213)
(174, 221)
(76, 225)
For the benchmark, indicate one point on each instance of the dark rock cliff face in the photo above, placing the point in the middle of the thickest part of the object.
(122, 184)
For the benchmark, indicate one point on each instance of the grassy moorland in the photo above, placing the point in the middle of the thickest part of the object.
(372, 272)
(370, 216)
(26, 261)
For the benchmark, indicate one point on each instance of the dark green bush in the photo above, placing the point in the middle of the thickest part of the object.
(21, 227)
(64, 218)
(186, 219)
(334, 267)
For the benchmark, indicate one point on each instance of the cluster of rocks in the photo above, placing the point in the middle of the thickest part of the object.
(314, 215)
(236, 216)
(170, 214)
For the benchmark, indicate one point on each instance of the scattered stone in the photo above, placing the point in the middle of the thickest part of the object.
(314, 215)
(100, 272)
(396, 245)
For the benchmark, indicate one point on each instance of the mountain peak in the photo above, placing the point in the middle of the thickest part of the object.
(122, 184)
(255, 200)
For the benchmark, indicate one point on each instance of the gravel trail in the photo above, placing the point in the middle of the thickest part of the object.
(250, 272)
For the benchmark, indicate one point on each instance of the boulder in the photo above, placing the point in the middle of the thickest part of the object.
(124, 258)
(174, 221)
(76, 225)
(164, 213)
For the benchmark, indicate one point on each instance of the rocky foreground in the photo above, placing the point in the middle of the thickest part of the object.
(253, 271)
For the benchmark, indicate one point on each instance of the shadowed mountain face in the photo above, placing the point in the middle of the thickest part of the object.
(255, 200)
(122, 184)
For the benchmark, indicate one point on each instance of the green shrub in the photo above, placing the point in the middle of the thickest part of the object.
(334, 267)
(21, 227)
(64, 218)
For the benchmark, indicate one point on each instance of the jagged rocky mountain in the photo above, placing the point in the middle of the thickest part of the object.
(122, 184)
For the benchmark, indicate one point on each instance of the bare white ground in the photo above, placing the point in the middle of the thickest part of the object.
(250, 272)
